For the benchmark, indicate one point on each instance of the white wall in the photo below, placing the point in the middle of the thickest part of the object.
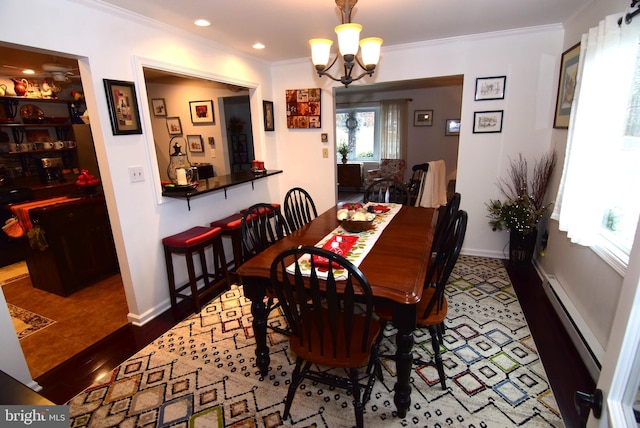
(590, 283)
(530, 60)
(112, 45)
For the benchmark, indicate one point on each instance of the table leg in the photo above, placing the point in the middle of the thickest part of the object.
(255, 290)
(404, 319)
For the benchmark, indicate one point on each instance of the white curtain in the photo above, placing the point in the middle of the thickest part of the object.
(393, 135)
(596, 129)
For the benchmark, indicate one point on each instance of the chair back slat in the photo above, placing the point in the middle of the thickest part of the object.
(386, 190)
(444, 261)
(262, 226)
(446, 216)
(322, 311)
(299, 208)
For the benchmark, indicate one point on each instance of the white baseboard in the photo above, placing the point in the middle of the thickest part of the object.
(141, 319)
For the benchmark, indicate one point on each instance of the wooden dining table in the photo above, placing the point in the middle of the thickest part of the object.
(395, 268)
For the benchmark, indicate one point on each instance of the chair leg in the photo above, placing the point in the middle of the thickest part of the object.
(357, 402)
(436, 354)
(296, 379)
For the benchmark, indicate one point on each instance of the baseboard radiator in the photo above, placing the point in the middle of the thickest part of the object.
(581, 335)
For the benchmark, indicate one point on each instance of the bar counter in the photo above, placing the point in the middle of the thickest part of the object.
(221, 182)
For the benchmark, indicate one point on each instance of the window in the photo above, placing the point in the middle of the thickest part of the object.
(597, 203)
(359, 129)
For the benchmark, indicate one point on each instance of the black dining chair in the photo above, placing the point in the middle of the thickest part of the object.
(432, 308)
(446, 215)
(262, 225)
(386, 190)
(299, 208)
(331, 320)
(414, 184)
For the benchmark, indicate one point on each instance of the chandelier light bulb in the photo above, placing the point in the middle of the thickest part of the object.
(348, 37)
(370, 50)
(320, 51)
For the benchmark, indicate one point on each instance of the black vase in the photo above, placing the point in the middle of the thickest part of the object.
(521, 247)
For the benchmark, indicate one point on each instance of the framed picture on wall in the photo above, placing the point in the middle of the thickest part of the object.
(174, 126)
(195, 143)
(202, 111)
(490, 88)
(303, 108)
(452, 127)
(267, 107)
(423, 118)
(485, 122)
(123, 107)
(158, 107)
(566, 86)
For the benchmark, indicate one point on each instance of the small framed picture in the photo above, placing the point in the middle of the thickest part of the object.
(452, 127)
(267, 107)
(423, 118)
(158, 107)
(485, 122)
(123, 107)
(490, 88)
(174, 126)
(566, 86)
(202, 111)
(195, 143)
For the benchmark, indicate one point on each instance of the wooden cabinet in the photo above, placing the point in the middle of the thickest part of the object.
(80, 248)
(350, 175)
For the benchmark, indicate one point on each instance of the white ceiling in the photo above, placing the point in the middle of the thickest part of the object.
(285, 26)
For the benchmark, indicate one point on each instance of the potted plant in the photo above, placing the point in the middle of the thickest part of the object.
(523, 206)
(344, 150)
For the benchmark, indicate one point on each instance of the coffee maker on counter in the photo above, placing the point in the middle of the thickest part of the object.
(50, 170)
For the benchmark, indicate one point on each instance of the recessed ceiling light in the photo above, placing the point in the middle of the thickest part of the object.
(28, 71)
(202, 22)
(258, 46)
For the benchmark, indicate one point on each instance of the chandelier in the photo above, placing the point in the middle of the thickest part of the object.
(348, 36)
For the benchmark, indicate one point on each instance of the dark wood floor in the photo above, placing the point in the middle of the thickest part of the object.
(562, 363)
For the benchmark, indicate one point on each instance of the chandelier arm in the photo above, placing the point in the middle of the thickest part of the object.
(364, 67)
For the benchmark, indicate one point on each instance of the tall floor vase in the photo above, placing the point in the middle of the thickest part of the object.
(521, 247)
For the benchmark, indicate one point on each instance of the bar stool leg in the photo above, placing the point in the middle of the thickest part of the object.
(168, 259)
(193, 281)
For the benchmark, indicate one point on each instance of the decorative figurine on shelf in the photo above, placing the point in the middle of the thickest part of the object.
(45, 90)
(3, 89)
(179, 169)
(20, 86)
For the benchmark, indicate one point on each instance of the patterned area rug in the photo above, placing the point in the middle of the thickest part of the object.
(13, 272)
(202, 372)
(25, 322)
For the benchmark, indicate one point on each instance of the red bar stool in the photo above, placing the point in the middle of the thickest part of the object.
(190, 242)
(231, 228)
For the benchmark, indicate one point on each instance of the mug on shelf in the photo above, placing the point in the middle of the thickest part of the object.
(25, 147)
(70, 144)
(13, 147)
(47, 145)
(58, 145)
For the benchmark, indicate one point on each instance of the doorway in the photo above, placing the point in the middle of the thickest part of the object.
(101, 304)
(239, 132)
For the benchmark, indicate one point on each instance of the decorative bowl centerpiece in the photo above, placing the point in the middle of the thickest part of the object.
(87, 183)
(355, 218)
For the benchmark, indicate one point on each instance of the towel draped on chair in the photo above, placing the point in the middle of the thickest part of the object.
(434, 186)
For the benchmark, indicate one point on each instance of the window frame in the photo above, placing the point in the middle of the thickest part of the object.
(376, 109)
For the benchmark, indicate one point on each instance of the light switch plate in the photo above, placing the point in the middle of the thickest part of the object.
(136, 174)
(325, 152)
